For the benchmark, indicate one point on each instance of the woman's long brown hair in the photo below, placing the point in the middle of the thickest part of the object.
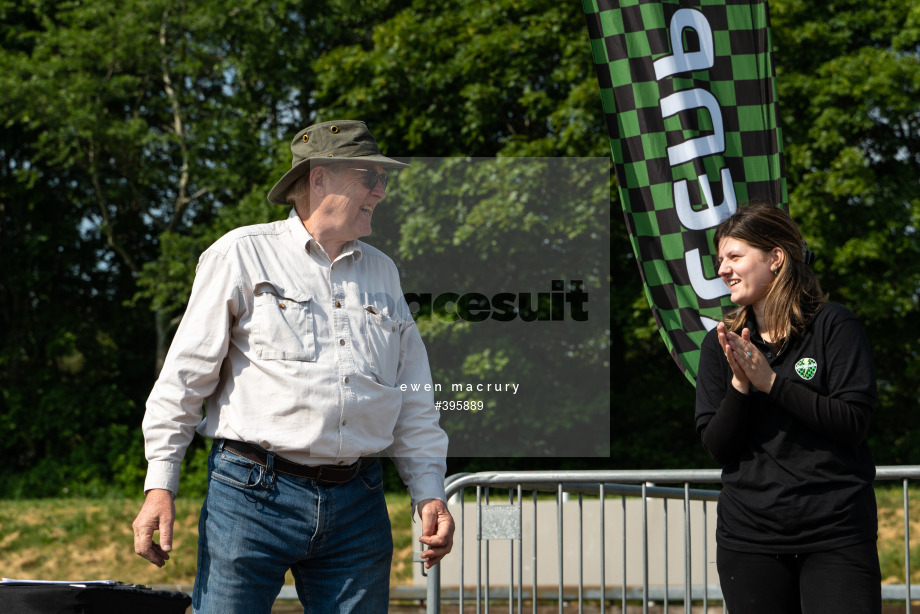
(795, 292)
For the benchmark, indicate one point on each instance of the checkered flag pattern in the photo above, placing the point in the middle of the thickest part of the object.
(689, 93)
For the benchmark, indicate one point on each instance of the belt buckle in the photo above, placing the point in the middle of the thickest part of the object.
(338, 470)
(329, 480)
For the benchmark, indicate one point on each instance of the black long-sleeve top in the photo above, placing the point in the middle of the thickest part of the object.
(797, 472)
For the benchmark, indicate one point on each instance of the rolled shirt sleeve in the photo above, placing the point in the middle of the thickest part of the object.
(419, 446)
(191, 371)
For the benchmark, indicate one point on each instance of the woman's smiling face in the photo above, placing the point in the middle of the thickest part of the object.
(746, 270)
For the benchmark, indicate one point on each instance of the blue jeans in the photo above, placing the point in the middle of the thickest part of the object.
(257, 523)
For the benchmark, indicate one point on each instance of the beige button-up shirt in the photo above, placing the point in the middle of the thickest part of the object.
(281, 348)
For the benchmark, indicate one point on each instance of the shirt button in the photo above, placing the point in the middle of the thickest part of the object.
(346, 380)
(769, 354)
(341, 342)
(393, 329)
(344, 422)
(282, 305)
(338, 304)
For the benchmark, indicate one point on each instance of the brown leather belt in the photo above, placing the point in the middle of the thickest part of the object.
(335, 474)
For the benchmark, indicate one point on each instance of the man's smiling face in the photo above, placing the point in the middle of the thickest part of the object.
(348, 206)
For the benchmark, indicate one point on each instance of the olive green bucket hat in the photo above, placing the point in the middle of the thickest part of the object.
(327, 143)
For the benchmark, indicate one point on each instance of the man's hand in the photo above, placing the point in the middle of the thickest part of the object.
(437, 530)
(157, 514)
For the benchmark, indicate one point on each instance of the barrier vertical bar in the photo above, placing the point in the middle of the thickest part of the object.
(705, 562)
(559, 533)
(462, 550)
(486, 595)
(687, 562)
(644, 548)
(479, 550)
(664, 504)
(581, 570)
(603, 553)
(511, 563)
(534, 589)
(520, 550)
(623, 592)
(906, 547)
(433, 589)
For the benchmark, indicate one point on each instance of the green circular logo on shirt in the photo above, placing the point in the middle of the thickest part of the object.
(806, 368)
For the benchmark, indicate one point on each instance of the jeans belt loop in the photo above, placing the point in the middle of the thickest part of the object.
(358, 467)
(269, 470)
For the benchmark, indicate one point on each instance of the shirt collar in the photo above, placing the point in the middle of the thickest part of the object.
(751, 324)
(304, 238)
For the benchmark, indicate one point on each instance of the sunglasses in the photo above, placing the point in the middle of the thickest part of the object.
(370, 180)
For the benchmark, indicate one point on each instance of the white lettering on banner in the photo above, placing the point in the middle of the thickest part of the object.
(709, 323)
(680, 62)
(705, 218)
(704, 288)
(701, 146)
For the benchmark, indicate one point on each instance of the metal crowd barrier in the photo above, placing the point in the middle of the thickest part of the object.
(501, 518)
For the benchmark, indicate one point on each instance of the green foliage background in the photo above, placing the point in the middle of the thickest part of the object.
(136, 132)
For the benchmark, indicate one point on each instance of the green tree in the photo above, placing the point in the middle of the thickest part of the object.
(136, 132)
(127, 125)
(849, 78)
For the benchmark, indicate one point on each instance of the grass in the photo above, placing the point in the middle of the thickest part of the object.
(890, 499)
(91, 539)
(80, 539)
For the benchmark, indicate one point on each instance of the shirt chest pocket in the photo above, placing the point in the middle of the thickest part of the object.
(282, 324)
(382, 344)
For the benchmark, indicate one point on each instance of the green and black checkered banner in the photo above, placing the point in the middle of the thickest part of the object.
(689, 92)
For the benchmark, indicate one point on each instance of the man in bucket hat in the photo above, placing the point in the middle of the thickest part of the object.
(299, 344)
